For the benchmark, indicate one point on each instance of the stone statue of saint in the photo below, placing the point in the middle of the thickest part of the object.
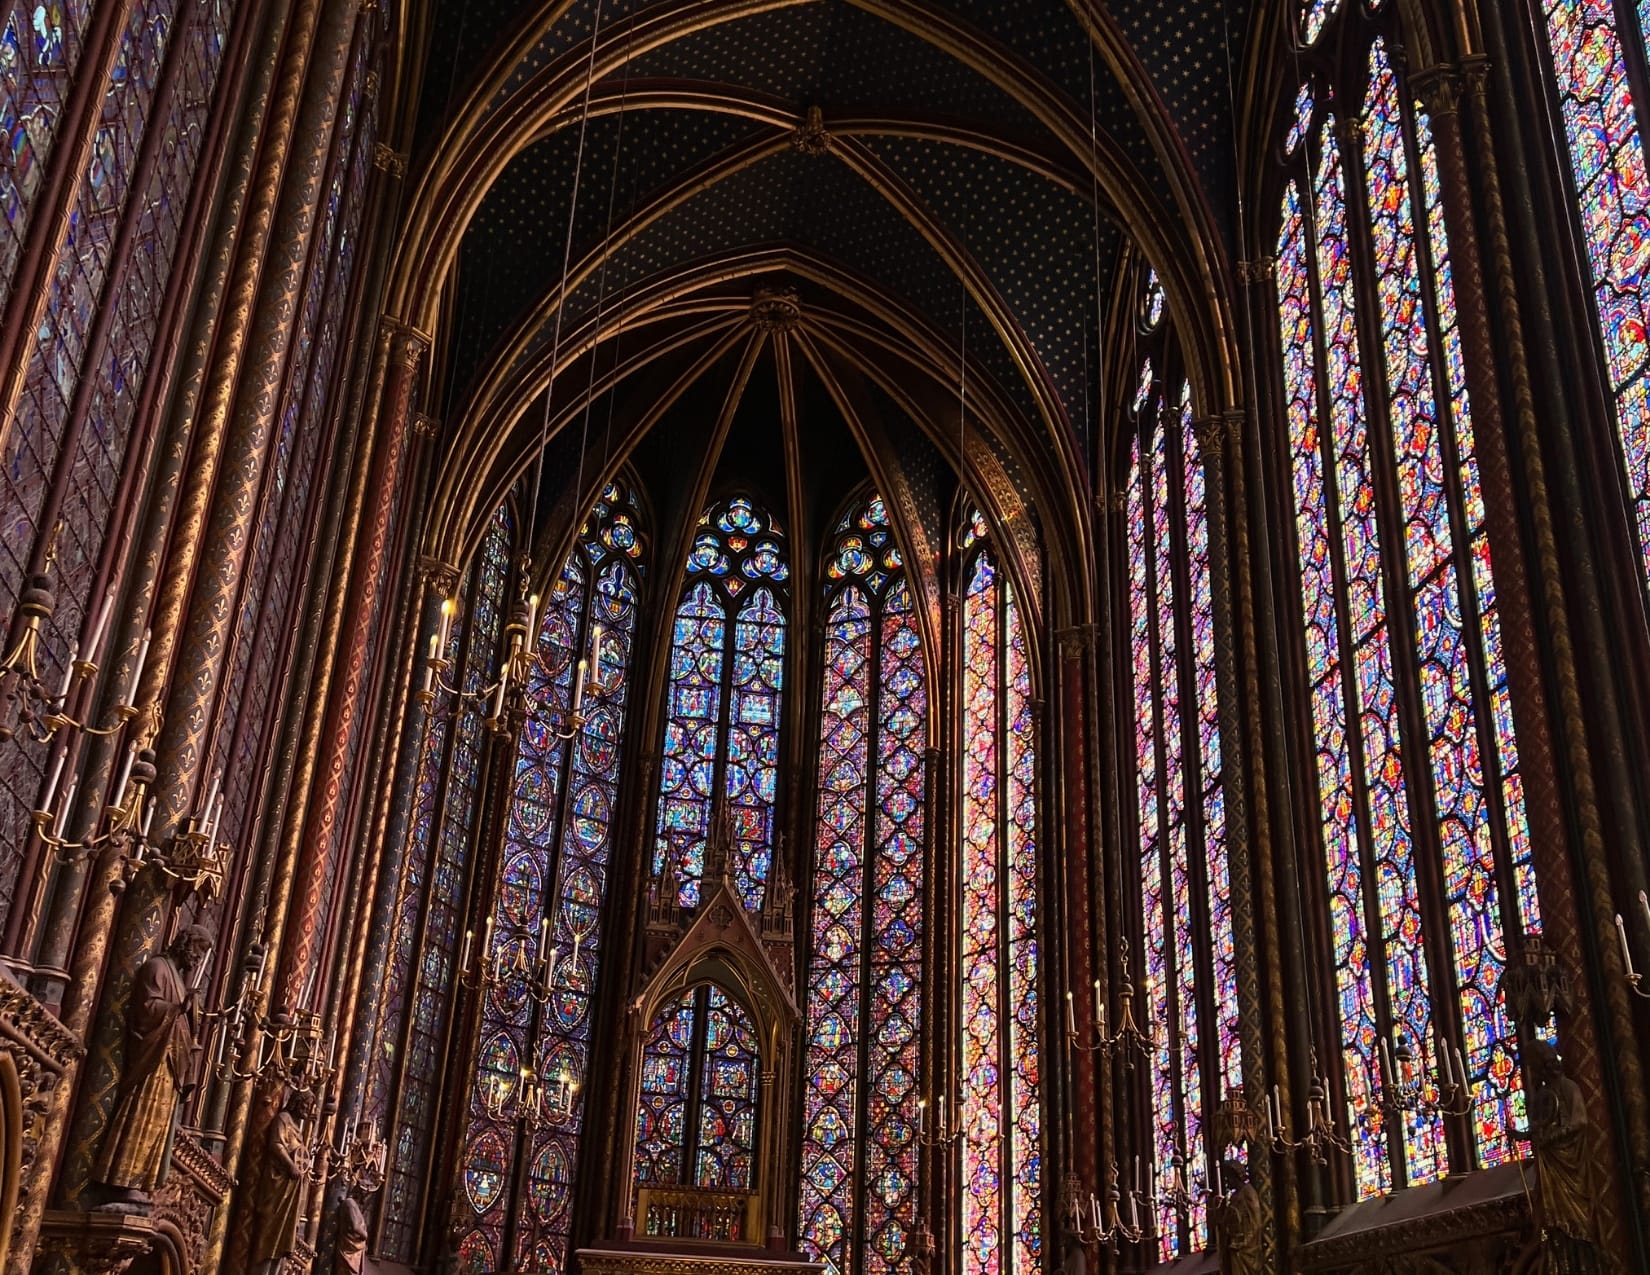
(1238, 1223)
(1561, 1134)
(160, 1045)
(280, 1198)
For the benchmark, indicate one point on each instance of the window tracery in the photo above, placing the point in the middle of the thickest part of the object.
(1422, 812)
(1600, 101)
(860, 1108)
(1001, 1116)
(727, 666)
(1190, 979)
(517, 1180)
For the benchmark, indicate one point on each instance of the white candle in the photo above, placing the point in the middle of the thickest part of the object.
(487, 940)
(63, 810)
(148, 820)
(216, 820)
(126, 771)
(578, 685)
(576, 938)
(1071, 1017)
(944, 1130)
(137, 668)
(211, 798)
(51, 784)
(1386, 1064)
(469, 941)
(1460, 1069)
(68, 673)
(533, 619)
(429, 666)
(96, 642)
(550, 968)
(597, 637)
(1626, 952)
(448, 607)
(499, 693)
(1644, 908)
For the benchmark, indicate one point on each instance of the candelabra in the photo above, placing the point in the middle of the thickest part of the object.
(507, 960)
(941, 1133)
(1404, 1084)
(1128, 1039)
(125, 822)
(506, 696)
(26, 703)
(1321, 1136)
(1104, 1223)
(1634, 978)
(528, 1100)
(284, 1046)
(358, 1160)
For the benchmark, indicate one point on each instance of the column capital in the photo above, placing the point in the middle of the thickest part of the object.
(1257, 270)
(440, 576)
(406, 343)
(1078, 640)
(1440, 89)
(389, 160)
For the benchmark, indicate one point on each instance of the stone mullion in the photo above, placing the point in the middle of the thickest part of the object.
(1105, 880)
(1549, 840)
(1213, 437)
(1076, 647)
(1617, 1039)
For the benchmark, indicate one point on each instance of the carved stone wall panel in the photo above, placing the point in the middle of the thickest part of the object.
(42, 1050)
(196, 1186)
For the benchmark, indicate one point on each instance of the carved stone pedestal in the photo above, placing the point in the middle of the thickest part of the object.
(96, 1242)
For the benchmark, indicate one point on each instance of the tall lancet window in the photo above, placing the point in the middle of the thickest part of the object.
(1190, 975)
(1418, 807)
(727, 667)
(1598, 59)
(864, 1011)
(999, 1090)
(543, 932)
(418, 997)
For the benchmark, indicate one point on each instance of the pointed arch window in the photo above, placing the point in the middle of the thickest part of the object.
(865, 975)
(419, 996)
(1419, 808)
(727, 670)
(999, 974)
(1190, 981)
(701, 1082)
(1597, 50)
(517, 1181)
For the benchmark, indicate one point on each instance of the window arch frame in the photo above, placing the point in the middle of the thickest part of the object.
(880, 611)
(1159, 430)
(1337, 76)
(557, 847)
(664, 854)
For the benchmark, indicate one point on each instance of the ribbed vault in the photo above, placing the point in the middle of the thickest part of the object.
(599, 190)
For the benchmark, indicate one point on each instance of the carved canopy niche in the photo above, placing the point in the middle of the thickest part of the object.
(715, 974)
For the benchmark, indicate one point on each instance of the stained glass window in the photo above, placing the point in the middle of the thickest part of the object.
(1417, 767)
(864, 1010)
(999, 1099)
(1606, 145)
(1185, 883)
(552, 885)
(433, 886)
(701, 1079)
(82, 386)
(727, 666)
(40, 47)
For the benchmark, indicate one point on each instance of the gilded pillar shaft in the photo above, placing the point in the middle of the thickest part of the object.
(381, 484)
(1594, 906)
(212, 537)
(1217, 437)
(1076, 647)
(1549, 839)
